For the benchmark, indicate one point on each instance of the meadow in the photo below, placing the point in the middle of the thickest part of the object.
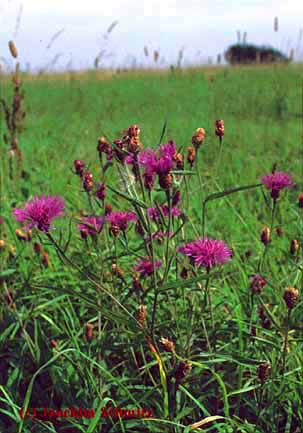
(105, 311)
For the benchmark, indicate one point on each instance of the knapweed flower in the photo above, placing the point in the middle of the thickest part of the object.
(154, 214)
(168, 149)
(90, 225)
(256, 283)
(146, 267)
(207, 252)
(198, 137)
(119, 220)
(40, 212)
(88, 182)
(79, 166)
(276, 181)
(219, 130)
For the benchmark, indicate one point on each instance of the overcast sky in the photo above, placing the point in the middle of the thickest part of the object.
(203, 27)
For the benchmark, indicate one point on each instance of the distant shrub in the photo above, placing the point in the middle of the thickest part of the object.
(249, 53)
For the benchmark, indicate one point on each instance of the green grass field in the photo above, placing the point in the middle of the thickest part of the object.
(214, 319)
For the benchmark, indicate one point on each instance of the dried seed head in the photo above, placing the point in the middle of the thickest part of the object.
(263, 371)
(168, 344)
(45, 259)
(279, 231)
(191, 155)
(21, 235)
(2, 244)
(166, 181)
(219, 128)
(37, 248)
(13, 49)
(300, 200)
(290, 297)
(142, 314)
(265, 236)
(89, 330)
(198, 137)
(88, 182)
(294, 247)
(183, 370)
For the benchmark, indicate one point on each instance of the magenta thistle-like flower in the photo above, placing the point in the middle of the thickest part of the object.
(90, 225)
(154, 214)
(146, 267)
(256, 283)
(168, 149)
(163, 165)
(120, 219)
(206, 252)
(276, 182)
(39, 212)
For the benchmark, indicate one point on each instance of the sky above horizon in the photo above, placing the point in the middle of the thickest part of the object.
(203, 28)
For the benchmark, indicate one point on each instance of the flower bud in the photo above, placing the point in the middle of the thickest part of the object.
(166, 181)
(103, 145)
(136, 284)
(2, 244)
(182, 371)
(88, 182)
(179, 161)
(184, 273)
(142, 314)
(79, 167)
(116, 270)
(191, 155)
(263, 371)
(133, 131)
(256, 284)
(290, 297)
(219, 128)
(89, 330)
(21, 235)
(45, 259)
(279, 231)
(294, 247)
(198, 137)
(300, 200)
(37, 248)
(265, 235)
(169, 345)
(108, 208)
(54, 344)
(13, 49)
(101, 192)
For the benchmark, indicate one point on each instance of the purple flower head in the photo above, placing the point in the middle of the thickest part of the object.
(146, 267)
(154, 214)
(39, 212)
(101, 191)
(207, 252)
(164, 165)
(148, 159)
(90, 225)
(120, 219)
(276, 182)
(168, 149)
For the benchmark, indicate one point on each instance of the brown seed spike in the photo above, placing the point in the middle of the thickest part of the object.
(142, 314)
(264, 371)
(168, 345)
(265, 236)
(13, 49)
(89, 329)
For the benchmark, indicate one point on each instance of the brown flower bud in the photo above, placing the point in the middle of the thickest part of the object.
(300, 200)
(279, 231)
(2, 244)
(265, 236)
(263, 371)
(88, 182)
(169, 345)
(256, 284)
(116, 270)
(54, 344)
(21, 235)
(134, 145)
(142, 314)
(133, 131)
(108, 208)
(114, 230)
(184, 273)
(37, 248)
(103, 145)
(191, 155)
(294, 247)
(198, 137)
(219, 128)
(137, 284)
(45, 259)
(183, 370)
(166, 181)
(179, 161)
(12, 251)
(79, 167)
(290, 297)
(89, 330)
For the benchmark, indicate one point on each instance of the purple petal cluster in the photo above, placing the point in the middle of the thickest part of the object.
(207, 252)
(90, 225)
(146, 267)
(120, 219)
(40, 212)
(276, 182)
(154, 214)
